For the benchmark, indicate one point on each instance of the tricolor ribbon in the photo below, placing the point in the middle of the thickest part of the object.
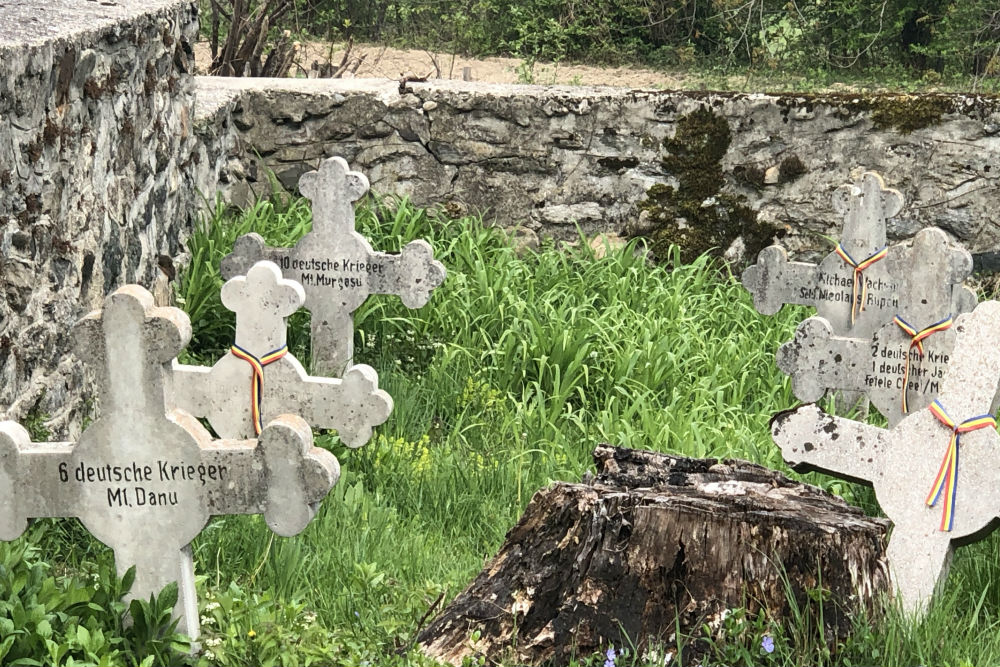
(917, 340)
(857, 305)
(946, 481)
(257, 381)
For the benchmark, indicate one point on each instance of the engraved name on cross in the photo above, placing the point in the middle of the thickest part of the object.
(337, 267)
(145, 481)
(900, 368)
(935, 474)
(853, 288)
(240, 393)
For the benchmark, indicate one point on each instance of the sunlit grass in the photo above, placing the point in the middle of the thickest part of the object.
(519, 365)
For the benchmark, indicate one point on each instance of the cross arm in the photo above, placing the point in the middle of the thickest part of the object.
(813, 440)
(353, 405)
(187, 387)
(964, 299)
(282, 476)
(412, 274)
(31, 477)
(816, 360)
(774, 281)
(247, 251)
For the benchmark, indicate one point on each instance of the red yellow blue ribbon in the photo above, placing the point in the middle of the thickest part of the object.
(946, 482)
(257, 380)
(857, 305)
(917, 340)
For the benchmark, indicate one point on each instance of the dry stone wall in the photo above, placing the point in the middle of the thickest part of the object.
(549, 158)
(95, 117)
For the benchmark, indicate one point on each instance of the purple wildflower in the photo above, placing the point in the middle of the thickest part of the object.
(610, 655)
(767, 644)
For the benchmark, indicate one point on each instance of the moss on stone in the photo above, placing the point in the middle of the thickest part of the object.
(695, 215)
(791, 168)
(907, 113)
(618, 164)
(695, 152)
(750, 174)
(903, 113)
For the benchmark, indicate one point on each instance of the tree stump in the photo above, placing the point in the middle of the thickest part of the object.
(655, 545)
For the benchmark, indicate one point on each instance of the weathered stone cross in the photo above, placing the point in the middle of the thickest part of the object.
(222, 394)
(861, 286)
(910, 465)
(852, 310)
(337, 266)
(145, 481)
(912, 352)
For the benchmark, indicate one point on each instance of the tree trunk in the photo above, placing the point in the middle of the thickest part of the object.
(657, 545)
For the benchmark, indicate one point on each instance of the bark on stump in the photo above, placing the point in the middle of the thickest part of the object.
(657, 544)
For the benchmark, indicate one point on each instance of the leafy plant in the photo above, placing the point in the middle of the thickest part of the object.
(505, 381)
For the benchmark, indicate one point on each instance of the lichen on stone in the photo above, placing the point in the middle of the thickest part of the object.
(697, 216)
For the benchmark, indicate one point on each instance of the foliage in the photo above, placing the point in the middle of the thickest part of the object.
(78, 619)
(910, 39)
(518, 366)
(244, 28)
(695, 217)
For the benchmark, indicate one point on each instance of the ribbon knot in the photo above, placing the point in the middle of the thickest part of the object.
(257, 379)
(917, 341)
(857, 305)
(946, 481)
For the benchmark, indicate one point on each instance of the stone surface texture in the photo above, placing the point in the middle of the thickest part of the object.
(926, 274)
(144, 480)
(549, 157)
(902, 463)
(262, 300)
(95, 120)
(337, 266)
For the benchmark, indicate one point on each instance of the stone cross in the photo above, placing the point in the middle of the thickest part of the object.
(908, 463)
(145, 481)
(911, 351)
(223, 393)
(337, 266)
(855, 311)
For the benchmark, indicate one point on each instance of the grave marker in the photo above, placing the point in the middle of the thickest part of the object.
(910, 350)
(337, 266)
(934, 500)
(853, 308)
(145, 481)
(224, 393)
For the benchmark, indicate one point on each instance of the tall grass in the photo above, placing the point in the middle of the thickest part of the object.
(508, 378)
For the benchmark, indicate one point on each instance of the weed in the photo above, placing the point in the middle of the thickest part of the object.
(506, 380)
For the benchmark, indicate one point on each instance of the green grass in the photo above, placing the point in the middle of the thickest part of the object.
(505, 381)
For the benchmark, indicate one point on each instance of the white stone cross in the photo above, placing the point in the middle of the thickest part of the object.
(903, 463)
(829, 286)
(931, 272)
(338, 267)
(145, 481)
(223, 393)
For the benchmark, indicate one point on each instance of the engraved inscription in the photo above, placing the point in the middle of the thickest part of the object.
(888, 369)
(341, 274)
(160, 472)
(833, 288)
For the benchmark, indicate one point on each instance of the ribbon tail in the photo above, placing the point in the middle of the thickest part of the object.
(948, 510)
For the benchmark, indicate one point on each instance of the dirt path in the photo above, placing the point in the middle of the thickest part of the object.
(380, 61)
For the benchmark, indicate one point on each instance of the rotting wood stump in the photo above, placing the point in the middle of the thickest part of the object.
(657, 544)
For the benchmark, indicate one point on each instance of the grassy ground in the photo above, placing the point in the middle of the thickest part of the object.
(518, 366)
